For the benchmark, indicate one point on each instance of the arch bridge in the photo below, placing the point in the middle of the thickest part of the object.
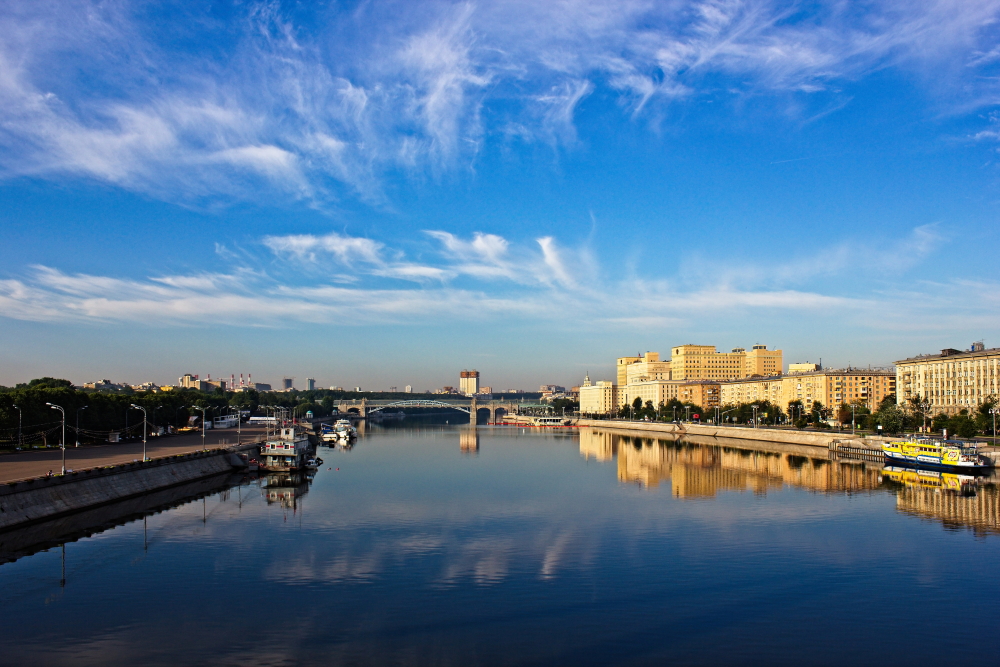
(364, 407)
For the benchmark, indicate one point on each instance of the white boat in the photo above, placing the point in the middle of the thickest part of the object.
(344, 430)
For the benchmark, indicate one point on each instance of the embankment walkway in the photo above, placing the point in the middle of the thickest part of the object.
(818, 439)
(29, 464)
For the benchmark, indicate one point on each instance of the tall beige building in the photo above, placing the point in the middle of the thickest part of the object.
(704, 362)
(600, 398)
(762, 361)
(952, 380)
(468, 382)
(622, 365)
(645, 368)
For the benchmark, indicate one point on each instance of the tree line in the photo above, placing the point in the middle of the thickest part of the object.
(100, 413)
(892, 418)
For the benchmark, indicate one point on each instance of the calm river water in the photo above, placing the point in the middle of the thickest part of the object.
(517, 547)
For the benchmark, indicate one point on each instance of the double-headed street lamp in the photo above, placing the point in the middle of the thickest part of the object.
(63, 445)
(78, 424)
(993, 411)
(195, 407)
(144, 422)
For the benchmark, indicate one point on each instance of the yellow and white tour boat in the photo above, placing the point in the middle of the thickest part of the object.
(946, 455)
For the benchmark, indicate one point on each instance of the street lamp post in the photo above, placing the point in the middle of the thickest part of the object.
(755, 408)
(993, 411)
(63, 446)
(20, 443)
(78, 424)
(239, 424)
(154, 414)
(195, 407)
(144, 422)
(924, 407)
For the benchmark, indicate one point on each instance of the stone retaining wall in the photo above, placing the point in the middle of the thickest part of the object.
(43, 498)
(773, 435)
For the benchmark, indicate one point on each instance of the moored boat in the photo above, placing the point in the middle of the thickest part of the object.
(947, 455)
(344, 430)
(286, 451)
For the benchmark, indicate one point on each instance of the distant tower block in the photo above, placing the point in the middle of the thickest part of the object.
(311, 384)
(286, 383)
(468, 382)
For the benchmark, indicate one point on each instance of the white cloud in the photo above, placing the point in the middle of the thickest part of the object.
(504, 282)
(314, 111)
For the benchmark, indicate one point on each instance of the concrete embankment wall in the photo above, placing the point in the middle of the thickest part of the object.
(817, 440)
(28, 501)
(29, 538)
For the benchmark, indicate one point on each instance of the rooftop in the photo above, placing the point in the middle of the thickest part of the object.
(953, 353)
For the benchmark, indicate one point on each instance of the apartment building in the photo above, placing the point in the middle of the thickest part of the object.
(600, 398)
(751, 390)
(468, 382)
(645, 368)
(657, 391)
(622, 365)
(704, 362)
(705, 393)
(839, 386)
(952, 380)
(829, 387)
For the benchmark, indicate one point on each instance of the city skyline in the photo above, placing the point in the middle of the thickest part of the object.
(383, 194)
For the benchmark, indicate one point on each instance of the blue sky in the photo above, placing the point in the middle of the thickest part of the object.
(385, 193)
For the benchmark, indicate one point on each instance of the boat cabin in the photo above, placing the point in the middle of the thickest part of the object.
(287, 451)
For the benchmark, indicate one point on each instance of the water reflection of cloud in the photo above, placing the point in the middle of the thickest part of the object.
(484, 560)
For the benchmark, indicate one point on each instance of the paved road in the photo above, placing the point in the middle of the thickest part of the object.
(23, 465)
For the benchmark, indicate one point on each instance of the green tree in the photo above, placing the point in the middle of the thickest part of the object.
(962, 425)
(890, 418)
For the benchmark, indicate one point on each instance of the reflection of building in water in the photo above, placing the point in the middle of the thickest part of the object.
(703, 470)
(286, 488)
(468, 440)
(597, 444)
(981, 511)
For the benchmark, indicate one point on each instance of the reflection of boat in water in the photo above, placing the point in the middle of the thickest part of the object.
(285, 452)
(285, 488)
(931, 479)
(946, 455)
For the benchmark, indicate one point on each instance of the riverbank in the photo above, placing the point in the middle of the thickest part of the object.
(813, 443)
(817, 439)
(44, 498)
(15, 466)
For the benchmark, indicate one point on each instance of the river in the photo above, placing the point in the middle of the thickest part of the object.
(503, 546)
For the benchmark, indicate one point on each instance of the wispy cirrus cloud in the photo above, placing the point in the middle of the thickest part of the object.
(481, 278)
(319, 105)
